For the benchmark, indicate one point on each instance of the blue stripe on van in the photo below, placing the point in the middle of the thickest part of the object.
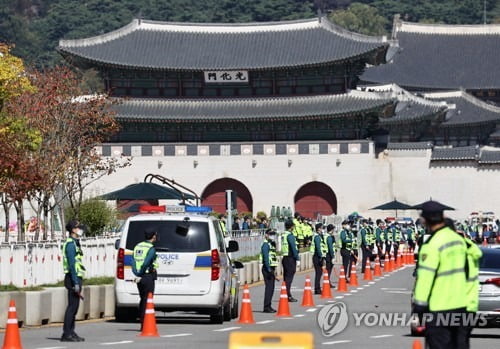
(203, 262)
(128, 259)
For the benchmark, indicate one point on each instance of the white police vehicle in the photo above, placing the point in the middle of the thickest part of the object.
(195, 273)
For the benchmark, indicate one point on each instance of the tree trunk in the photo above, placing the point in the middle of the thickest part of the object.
(45, 207)
(18, 204)
(6, 210)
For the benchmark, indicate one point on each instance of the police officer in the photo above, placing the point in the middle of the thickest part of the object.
(366, 244)
(441, 283)
(396, 239)
(379, 240)
(73, 275)
(144, 268)
(330, 245)
(290, 258)
(297, 229)
(410, 237)
(388, 238)
(269, 262)
(346, 240)
(318, 249)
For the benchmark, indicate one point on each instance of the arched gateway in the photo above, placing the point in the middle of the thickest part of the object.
(214, 195)
(315, 198)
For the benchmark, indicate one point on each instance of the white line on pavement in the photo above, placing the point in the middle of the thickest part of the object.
(336, 342)
(176, 335)
(114, 343)
(354, 291)
(360, 288)
(339, 297)
(52, 348)
(393, 289)
(371, 283)
(320, 305)
(401, 292)
(227, 329)
(299, 315)
(311, 310)
(287, 318)
(264, 322)
(382, 336)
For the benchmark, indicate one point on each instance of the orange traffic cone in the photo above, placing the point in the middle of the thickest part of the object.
(326, 292)
(485, 243)
(387, 263)
(368, 272)
(307, 298)
(149, 328)
(354, 276)
(412, 256)
(417, 344)
(342, 286)
(376, 270)
(246, 314)
(393, 263)
(12, 338)
(283, 307)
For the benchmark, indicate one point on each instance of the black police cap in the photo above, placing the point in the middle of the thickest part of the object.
(433, 207)
(289, 224)
(319, 225)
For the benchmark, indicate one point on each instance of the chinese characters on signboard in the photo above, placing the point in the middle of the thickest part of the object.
(229, 76)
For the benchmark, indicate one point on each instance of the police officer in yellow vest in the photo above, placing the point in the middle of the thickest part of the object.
(441, 284)
(144, 268)
(367, 243)
(269, 261)
(319, 250)
(73, 275)
(290, 258)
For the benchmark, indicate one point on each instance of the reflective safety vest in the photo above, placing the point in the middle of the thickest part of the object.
(325, 240)
(410, 234)
(80, 269)
(140, 252)
(380, 233)
(349, 236)
(370, 237)
(324, 246)
(441, 279)
(223, 227)
(389, 235)
(273, 259)
(474, 254)
(297, 229)
(284, 243)
(397, 235)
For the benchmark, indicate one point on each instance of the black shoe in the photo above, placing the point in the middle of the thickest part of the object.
(69, 339)
(269, 310)
(78, 338)
(292, 300)
(317, 292)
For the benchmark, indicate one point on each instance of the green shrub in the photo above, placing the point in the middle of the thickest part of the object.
(96, 215)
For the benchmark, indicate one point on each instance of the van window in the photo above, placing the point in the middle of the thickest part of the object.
(171, 237)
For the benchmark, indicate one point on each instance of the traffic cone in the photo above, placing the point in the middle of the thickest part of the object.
(417, 344)
(246, 313)
(368, 272)
(393, 263)
(485, 243)
(407, 256)
(377, 271)
(412, 256)
(12, 338)
(387, 263)
(342, 286)
(283, 307)
(354, 276)
(149, 328)
(397, 261)
(307, 298)
(326, 292)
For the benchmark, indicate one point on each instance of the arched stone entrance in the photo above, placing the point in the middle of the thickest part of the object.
(315, 198)
(214, 195)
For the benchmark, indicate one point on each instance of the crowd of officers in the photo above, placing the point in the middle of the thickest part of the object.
(446, 273)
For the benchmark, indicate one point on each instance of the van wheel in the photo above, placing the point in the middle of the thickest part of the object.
(125, 314)
(235, 309)
(217, 318)
(227, 311)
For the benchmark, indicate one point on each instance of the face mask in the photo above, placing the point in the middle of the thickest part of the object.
(79, 232)
(346, 227)
(272, 237)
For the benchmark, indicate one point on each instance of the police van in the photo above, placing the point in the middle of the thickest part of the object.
(195, 273)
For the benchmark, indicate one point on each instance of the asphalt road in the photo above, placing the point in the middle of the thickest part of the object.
(390, 293)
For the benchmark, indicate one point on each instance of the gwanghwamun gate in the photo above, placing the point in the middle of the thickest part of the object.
(304, 113)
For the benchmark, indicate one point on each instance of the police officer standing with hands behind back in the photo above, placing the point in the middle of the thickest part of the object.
(441, 284)
(290, 257)
(144, 268)
(74, 271)
(269, 262)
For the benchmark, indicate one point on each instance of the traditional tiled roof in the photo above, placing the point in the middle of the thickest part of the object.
(410, 107)
(202, 46)
(465, 109)
(252, 109)
(437, 56)
(490, 156)
(409, 146)
(453, 154)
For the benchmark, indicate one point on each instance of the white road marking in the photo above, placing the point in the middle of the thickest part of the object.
(266, 321)
(354, 291)
(52, 348)
(336, 342)
(360, 288)
(339, 297)
(287, 318)
(371, 283)
(114, 343)
(393, 289)
(382, 336)
(311, 310)
(299, 315)
(227, 329)
(320, 305)
(347, 294)
(177, 335)
(401, 292)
